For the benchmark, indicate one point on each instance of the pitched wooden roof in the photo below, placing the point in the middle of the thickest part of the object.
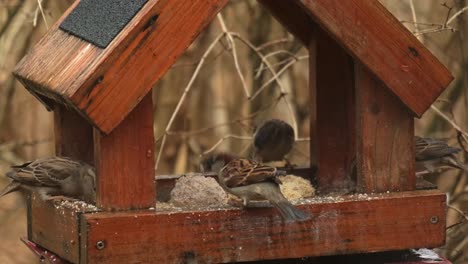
(104, 85)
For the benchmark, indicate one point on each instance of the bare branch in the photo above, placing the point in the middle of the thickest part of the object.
(232, 44)
(184, 95)
(451, 122)
(275, 76)
(224, 139)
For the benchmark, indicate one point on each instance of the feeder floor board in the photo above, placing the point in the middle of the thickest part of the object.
(339, 225)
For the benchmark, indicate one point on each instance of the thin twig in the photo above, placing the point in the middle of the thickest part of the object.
(232, 44)
(275, 76)
(457, 14)
(458, 210)
(224, 139)
(39, 8)
(413, 13)
(451, 122)
(184, 95)
(274, 42)
(281, 71)
(274, 53)
(238, 120)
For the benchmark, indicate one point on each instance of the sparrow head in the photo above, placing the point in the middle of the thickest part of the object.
(215, 162)
(273, 140)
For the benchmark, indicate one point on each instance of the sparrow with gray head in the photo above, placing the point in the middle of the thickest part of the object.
(54, 178)
(273, 140)
(431, 153)
(250, 180)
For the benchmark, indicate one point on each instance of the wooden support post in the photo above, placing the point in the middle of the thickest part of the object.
(385, 137)
(332, 92)
(73, 135)
(125, 161)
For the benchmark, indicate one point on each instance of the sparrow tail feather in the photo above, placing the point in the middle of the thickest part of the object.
(13, 186)
(289, 212)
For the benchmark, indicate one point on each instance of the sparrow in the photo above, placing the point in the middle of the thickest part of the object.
(434, 153)
(54, 178)
(249, 180)
(273, 140)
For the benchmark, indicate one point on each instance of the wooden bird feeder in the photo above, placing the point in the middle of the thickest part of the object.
(369, 77)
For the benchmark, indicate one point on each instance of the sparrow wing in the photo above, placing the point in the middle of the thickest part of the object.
(45, 172)
(430, 148)
(242, 172)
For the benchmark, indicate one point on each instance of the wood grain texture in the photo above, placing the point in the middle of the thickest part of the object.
(352, 224)
(73, 135)
(106, 84)
(125, 161)
(380, 42)
(333, 132)
(55, 227)
(292, 16)
(385, 137)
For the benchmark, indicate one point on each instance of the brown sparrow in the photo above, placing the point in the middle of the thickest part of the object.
(431, 153)
(273, 140)
(250, 180)
(53, 178)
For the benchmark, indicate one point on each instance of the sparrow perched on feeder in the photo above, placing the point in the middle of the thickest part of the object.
(54, 178)
(435, 153)
(250, 180)
(273, 140)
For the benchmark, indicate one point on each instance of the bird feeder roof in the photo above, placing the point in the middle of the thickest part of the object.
(104, 77)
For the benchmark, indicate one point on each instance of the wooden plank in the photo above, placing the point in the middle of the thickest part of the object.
(125, 161)
(292, 16)
(379, 41)
(73, 135)
(340, 225)
(56, 226)
(106, 84)
(333, 131)
(385, 137)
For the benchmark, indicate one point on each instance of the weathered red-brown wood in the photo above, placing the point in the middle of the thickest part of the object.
(73, 135)
(379, 41)
(332, 88)
(345, 225)
(56, 226)
(106, 84)
(125, 161)
(292, 16)
(385, 137)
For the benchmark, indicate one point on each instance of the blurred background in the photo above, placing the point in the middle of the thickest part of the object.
(218, 73)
